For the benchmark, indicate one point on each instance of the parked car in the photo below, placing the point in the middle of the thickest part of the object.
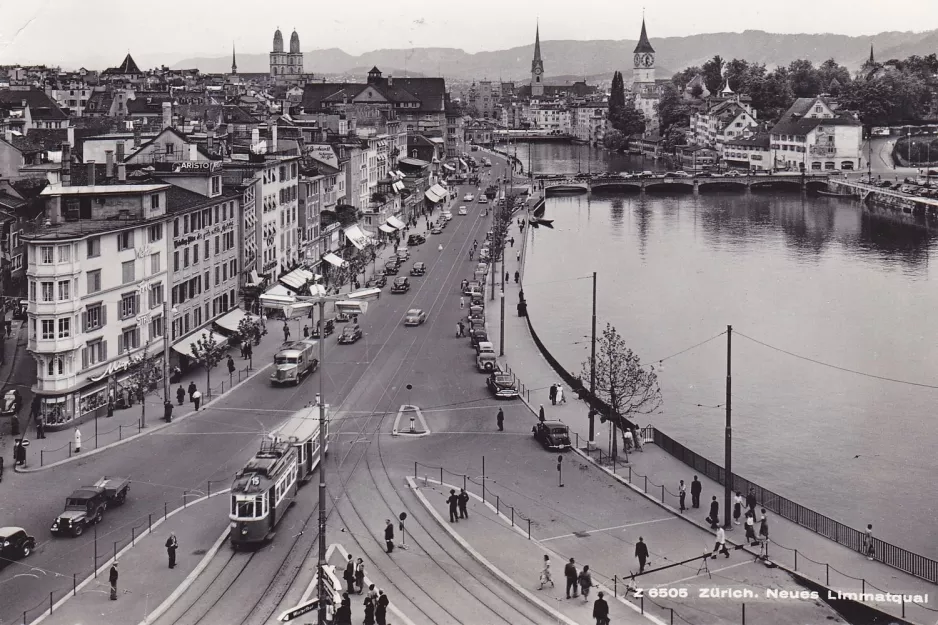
(472, 286)
(416, 239)
(436, 230)
(390, 268)
(328, 327)
(343, 317)
(733, 173)
(377, 282)
(553, 435)
(468, 197)
(15, 543)
(419, 268)
(415, 317)
(463, 211)
(400, 285)
(502, 385)
(478, 335)
(483, 200)
(702, 174)
(350, 334)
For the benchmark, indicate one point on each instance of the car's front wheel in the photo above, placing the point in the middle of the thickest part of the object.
(26, 551)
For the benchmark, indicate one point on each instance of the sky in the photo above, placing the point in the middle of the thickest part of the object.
(98, 33)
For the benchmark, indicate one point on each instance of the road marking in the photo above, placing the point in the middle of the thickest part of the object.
(419, 430)
(711, 572)
(607, 529)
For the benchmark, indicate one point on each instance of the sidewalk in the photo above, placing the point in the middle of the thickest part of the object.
(826, 562)
(145, 581)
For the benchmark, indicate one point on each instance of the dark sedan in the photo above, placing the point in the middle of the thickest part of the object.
(416, 239)
(553, 435)
(328, 328)
(502, 385)
(350, 334)
(15, 543)
(377, 282)
(400, 285)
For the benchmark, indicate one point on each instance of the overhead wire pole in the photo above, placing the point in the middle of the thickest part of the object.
(728, 440)
(592, 414)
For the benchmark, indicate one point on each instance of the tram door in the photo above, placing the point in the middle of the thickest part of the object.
(272, 517)
(308, 450)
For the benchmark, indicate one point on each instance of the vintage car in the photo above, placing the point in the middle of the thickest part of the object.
(463, 211)
(328, 327)
(416, 239)
(483, 267)
(415, 317)
(553, 435)
(483, 200)
(468, 197)
(472, 286)
(377, 282)
(419, 268)
(400, 285)
(476, 299)
(391, 268)
(476, 313)
(502, 385)
(342, 317)
(15, 543)
(436, 230)
(11, 402)
(86, 505)
(478, 335)
(350, 334)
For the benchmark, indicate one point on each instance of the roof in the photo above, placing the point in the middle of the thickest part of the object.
(794, 122)
(106, 189)
(183, 137)
(10, 202)
(127, 66)
(179, 200)
(10, 530)
(430, 92)
(554, 424)
(643, 44)
(760, 140)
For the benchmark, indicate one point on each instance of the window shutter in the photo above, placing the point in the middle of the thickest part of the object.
(103, 316)
(84, 357)
(103, 350)
(137, 303)
(120, 343)
(84, 327)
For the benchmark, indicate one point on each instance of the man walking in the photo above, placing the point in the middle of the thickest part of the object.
(682, 493)
(570, 573)
(751, 500)
(453, 502)
(695, 488)
(714, 517)
(171, 545)
(77, 440)
(180, 395)
(552, 393)
(512, 241)
(197, 399)
(389, 535)
(112, 578)
(286, 332)
(720, 545)
(641, 552)
(231, 367)
(40, 427)
(349, 575)
(601, 610)
(868, 547)
(463, 504)
(381, 610)
(500, 419)
(192, 389)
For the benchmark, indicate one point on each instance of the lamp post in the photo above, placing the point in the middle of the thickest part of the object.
(728, 436)
(353, 302)
(592, 414)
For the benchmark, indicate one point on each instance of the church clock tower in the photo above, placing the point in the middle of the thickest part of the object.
(643, 61)
(537, 67)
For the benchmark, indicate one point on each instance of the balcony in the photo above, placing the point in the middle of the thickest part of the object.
(53, 270)
(48, 309)
(54, 346)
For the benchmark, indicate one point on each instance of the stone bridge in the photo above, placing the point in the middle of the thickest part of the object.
(574, 184)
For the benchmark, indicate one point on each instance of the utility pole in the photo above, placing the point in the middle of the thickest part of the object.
(592, 414)
(322, 468)
(728, 441)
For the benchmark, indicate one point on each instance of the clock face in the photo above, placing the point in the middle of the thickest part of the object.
(637, 60)
(648, 60)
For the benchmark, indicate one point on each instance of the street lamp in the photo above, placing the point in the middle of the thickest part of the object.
(353, 303)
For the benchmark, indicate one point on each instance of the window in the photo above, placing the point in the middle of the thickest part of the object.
(94, 317)
(55, 365)
(217, 243)
(48, 291)
(125, 240)
(185, 224)
(94, 281)
(127, 272)
(155, 263)
(155, 232)
(185, 257)
(156, 295)
(206, 246)
(128, 340)
(217, 275)
(156, 326)
(176, 261)
(65, 253)
(155, 202)
(64, 290)
(170, 148)
(94, 353)
(32, 290)
(216, 215)
(216, 185)
(46, 254)
(48, 329)
(94, 247)
(65, 328)
(128, 305)
(195, 254)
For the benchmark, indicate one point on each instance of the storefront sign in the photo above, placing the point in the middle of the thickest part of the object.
(203, 234)
(118, 366)
(324, 154)
(199, 166)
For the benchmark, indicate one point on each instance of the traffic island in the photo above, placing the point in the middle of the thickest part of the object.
(410, 422)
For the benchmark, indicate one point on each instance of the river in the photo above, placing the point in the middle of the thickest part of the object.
(817, 277)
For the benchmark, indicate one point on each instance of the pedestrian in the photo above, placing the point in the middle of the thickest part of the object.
(507, 276)
(112, 578)
(381, 610)
(168, 411)
(264, 322)
(570, 573)
(462, 303)
(306, 332)
(500, 420)
(695, 488)
(343, 615)
(77, 440)
(601, 610)
(350, 573)
(369, 611)
(1, 468)
(737, 507)
(546, 577)
(110, 403)
(512, 241)
(714, 517)
(627, 439)
(637, 439)
(585, 580)
(286, 332)
(463, 504)
(720, 545)
(40, 427)
(389, 535)
(641, 552)
(517, 276)
(440, 248)
(231, 366)
(372, 593)
(751, 499)
(197, 400)
(360, 575)
(751, 528)
(180, 396)
(682, 493)
(171, 545)
(453, 501)
(552, 393)
(561, 398)
(868, 546)
(192, 389)
(243, 356)
(764, 527)
(540, 414)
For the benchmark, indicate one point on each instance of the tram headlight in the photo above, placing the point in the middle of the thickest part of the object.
(244, 530)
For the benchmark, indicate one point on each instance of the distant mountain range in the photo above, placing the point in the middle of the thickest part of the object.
(597, 58)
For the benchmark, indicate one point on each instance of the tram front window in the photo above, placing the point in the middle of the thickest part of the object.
(285, 360)
(246, 508)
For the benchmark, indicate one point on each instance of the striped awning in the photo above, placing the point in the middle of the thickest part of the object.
(297, 279)
(394, 222)
(433, 197)
(334, 260)
(387, 229)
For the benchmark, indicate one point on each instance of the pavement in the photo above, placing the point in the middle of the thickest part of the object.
(818, 558)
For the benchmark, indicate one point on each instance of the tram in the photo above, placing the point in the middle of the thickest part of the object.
(301, 431)
(261, 493)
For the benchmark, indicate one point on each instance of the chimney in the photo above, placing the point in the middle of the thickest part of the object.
(390, 80)
(109, 155)
(255, 136)
(66, 177)
(90, 182)
(122, 172)
(273, 137)
(167, 114)
(136, 136)
(71, 135)
(211, 142)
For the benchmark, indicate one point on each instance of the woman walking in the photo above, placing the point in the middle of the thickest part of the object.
(586, 582)
(360, 575)
(545, 574)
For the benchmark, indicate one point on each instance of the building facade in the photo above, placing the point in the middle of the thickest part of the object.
(813, 135)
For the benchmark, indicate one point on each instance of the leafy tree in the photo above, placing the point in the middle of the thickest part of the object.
(804, 79)
(207, 352)
(672, 138)
(148, 371)
(614, 140)
(772, 95)
(833, 76)
(711, 71)
(893, 97)
(684, 76)
(617, 94)
(696, 91)
(621, 381)
(671, 107)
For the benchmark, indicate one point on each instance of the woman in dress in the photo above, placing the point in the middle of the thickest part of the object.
(369, 611)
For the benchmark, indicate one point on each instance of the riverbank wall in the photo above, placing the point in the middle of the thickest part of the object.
(885, 198)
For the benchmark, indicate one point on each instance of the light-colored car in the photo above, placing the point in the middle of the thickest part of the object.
(468, 198)
(436, 230)
(680, 174)
(415, 317)
(463, 211)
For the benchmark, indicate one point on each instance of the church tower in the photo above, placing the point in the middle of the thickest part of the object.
(277, 59)
(537, 67)
(234, 63)
(643, 61)
(286, 65)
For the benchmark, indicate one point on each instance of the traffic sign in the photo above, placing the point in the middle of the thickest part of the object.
(298, 611)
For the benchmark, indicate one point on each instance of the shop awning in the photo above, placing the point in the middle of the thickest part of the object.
(387, 229)
(439, 190)
(254, 279)
(232, 320)
(398, 186)
(396, 223)
(334, 260)
(358, 238)
(184, 346)
(298, 278)
(433, 197)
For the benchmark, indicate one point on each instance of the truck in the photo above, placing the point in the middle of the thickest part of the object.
(87, 504)
(294, 361)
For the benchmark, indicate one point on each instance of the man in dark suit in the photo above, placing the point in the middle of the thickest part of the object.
(714, 517)
(601, 610)
(695, 488)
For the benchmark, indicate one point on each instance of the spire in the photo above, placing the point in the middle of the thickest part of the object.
(872, 62)
(234, 63)
(643, 44)
(537, 43)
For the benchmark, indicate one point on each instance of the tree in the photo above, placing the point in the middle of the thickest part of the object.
(833, 76)
(772, 95)
(804, 79)
(671, 107)
(712, 73)
(617, 94)
(623, 116)
(684, 76)
(147, 372)
(207, 352)
(627, 387)
(614, 140)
